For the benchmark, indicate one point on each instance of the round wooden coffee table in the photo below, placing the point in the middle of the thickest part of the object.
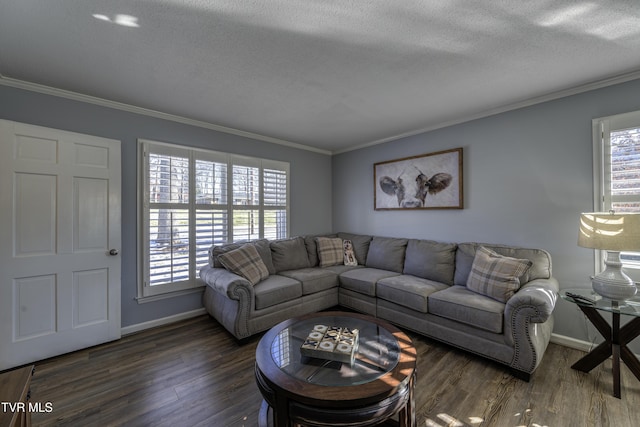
(300, 390)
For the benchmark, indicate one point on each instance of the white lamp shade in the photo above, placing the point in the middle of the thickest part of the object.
(610, 231)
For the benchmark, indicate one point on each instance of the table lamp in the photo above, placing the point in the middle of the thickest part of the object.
(613, 232)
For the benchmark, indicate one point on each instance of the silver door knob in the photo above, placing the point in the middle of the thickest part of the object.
(113, 252)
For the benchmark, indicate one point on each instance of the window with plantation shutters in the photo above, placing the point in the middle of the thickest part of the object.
(246, 200)
(275, 203)
(617, 154)
(211, 215)
(625, 169)
(168, 236)
(192, 199)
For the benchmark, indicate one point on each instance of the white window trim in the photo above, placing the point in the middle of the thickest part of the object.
(147, 293)
(601, 128)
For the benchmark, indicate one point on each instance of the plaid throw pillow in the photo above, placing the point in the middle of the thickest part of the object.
(246, 262)
(496, 276)
(330, 251)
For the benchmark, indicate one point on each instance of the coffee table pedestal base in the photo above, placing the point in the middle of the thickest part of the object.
(292, 413)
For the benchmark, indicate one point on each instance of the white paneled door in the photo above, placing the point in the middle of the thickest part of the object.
(59, 242)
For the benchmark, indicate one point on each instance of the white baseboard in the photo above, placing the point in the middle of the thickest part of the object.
(159, 322)
(571, 342)
(576, 344)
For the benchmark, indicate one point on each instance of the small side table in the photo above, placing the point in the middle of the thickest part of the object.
(616, 338)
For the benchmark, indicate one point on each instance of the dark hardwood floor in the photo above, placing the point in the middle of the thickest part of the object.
(193, 373)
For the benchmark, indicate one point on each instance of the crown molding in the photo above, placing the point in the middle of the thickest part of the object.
(622, 78)
(48, 90)
(61, 93)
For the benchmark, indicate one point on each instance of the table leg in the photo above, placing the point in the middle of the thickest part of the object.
(631, 361)
(281, 413)
(597, 320)
(593, 358)
(628, 332)
(615, 353)
(264, 415)
(407, 415)
(615, 345)
(412, 404)
(602, 351)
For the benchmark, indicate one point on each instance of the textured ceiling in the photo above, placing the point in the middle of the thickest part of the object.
(326, 74)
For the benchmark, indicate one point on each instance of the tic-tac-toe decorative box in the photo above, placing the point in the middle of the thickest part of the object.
(331, 343)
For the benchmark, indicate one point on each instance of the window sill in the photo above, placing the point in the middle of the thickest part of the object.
(152, 298)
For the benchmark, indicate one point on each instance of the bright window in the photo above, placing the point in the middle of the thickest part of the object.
(617, 162)
(192, 199)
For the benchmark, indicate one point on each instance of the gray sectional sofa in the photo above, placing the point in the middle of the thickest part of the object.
(420, 285)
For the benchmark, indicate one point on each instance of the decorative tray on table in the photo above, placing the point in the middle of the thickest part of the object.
(331, 343)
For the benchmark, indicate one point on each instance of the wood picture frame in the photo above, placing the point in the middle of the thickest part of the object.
(427, 181)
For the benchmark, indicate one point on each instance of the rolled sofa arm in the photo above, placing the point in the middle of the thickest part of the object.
(227, 283)
(537, 298)
(229, 298)
(528, 322)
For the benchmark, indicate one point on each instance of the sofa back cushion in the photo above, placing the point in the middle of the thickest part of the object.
(387, 253)
(289, 254)
(262, 246)
(430, 260)
(466, 252)
(360, 245)
(264, 250)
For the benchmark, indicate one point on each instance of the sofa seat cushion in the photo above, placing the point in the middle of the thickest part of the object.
(313, 279)
(363, 280)
(460, 304)
(339, 269)
(276, 289)
(408, 291)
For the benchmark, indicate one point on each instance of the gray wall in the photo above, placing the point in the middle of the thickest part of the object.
(310, 175)
(527, 177)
